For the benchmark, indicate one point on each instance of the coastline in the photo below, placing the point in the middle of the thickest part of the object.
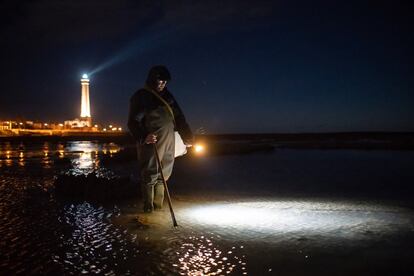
(246, 142)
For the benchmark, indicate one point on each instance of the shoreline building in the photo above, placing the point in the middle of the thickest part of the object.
(85, 120)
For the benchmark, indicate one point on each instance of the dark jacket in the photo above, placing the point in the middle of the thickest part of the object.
(143, 103)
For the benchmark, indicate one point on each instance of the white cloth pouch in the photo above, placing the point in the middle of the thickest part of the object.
(180, 147)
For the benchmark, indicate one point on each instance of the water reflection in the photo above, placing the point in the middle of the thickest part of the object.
(83, 155)
(9, 161)
(7, 154)
(110, 149)
(46, 160)
(61, 150)
(21, 159)
(94, 245)
(200, 256)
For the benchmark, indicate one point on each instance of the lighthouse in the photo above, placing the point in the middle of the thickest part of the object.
(85, 104)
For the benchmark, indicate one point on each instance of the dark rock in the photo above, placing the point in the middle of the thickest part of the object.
(126, 154)
(95, 186)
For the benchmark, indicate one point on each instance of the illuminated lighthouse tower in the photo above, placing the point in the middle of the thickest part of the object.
(85, 104)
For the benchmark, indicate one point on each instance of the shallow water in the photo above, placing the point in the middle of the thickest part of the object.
(289, 212)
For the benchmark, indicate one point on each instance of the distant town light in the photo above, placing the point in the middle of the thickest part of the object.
(120, 128)
(61, 125)
(110, 126)
(114, 129)
(96, 125)
(104, 129)
(84, 76)
(20, 123)
(45, 124)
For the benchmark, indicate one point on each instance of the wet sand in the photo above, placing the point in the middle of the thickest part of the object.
(271, 236)
(280, 213)
(259, 208)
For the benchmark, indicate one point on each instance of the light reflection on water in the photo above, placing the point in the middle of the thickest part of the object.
(93, 245)
(87, 241)
(61, 150)
(199, 255)
(46, 160)
(21, 158)
(83, 155)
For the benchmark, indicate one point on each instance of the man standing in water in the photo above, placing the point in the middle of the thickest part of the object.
(153, 116)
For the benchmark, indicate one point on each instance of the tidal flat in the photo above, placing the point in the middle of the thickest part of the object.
(260, 212)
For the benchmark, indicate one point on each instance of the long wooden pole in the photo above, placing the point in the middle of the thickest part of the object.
(166, 187)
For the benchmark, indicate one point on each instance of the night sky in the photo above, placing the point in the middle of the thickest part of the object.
(237, 66)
